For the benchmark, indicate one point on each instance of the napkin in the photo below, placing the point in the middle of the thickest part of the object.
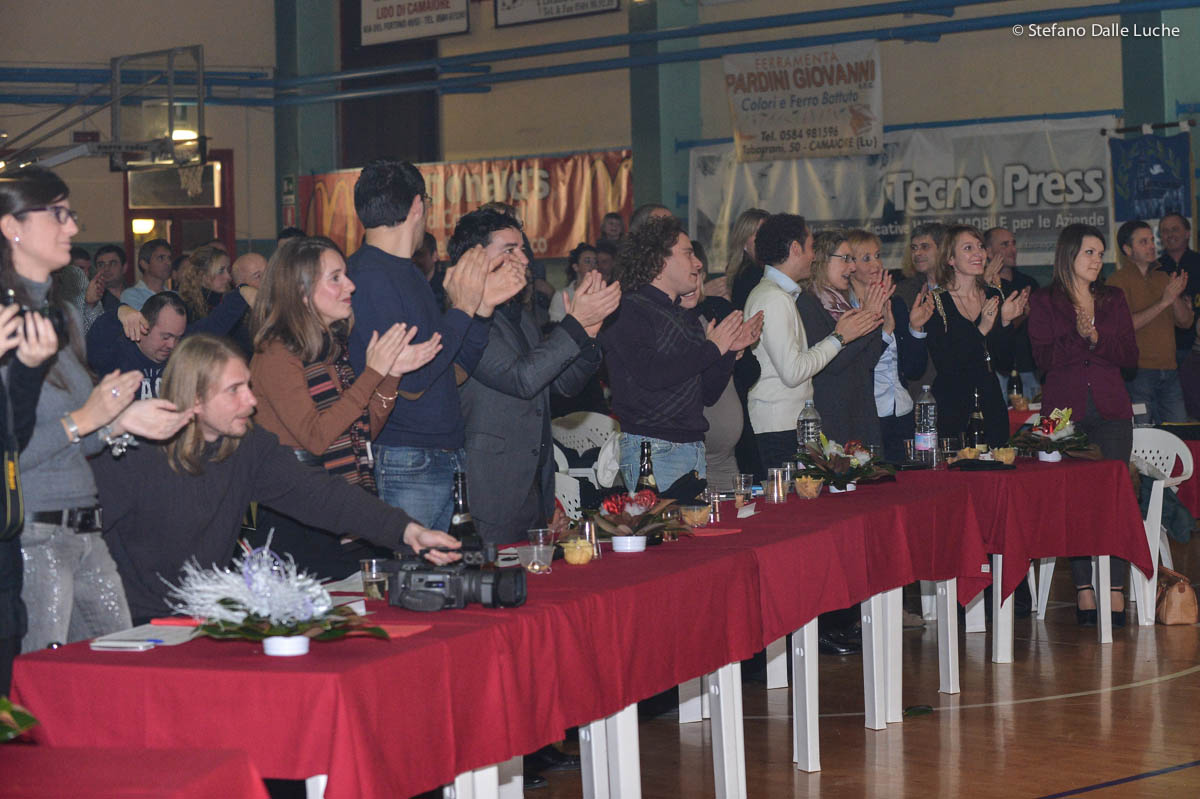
(710, 531)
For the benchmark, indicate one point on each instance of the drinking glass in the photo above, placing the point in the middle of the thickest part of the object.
(777, 485)
(909, 454)
(375, 579)
(542, 555)
(542, 536)
(742, 489)
(876, 451)
(950, 445)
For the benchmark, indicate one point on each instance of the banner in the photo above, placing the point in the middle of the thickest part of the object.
(809, 103)
(1151, 176)
(1033, 178)
(518, 12)
(398, 20)
(560, 199)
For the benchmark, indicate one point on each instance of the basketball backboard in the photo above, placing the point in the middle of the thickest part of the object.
(158, 109)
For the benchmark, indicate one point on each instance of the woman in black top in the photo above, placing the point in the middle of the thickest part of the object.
(970, 328)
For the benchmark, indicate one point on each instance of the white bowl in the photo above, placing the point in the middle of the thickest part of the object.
(286, 645)
(629, 543)
(1049, 457)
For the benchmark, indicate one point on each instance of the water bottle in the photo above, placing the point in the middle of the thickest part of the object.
(925, 444)
(808, 426)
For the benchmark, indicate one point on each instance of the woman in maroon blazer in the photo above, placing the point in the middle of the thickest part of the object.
(1082, 336)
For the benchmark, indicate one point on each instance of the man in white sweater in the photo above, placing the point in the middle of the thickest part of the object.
(785, 244)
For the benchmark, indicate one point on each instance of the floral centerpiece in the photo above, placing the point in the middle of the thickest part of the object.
(261, 597)
(644, 513)
(839, 465)
(1055, 433)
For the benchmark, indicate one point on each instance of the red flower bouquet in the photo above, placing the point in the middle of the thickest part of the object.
(644, 513)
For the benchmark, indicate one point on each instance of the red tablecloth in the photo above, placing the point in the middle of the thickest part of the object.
(839, 549)
(40, 771)
(401, 717)
(1189, 490)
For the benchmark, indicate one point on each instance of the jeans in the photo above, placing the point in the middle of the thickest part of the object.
(671, 460)
(1160, 390)
(420, 481)
(72, 590)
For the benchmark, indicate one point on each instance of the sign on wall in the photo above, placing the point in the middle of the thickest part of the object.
(518, 12)
(1152, 176)
(398, 20)
(806, 103)
(1032, 177)
(561, 199)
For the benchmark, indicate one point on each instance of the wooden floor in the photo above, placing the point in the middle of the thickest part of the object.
(1067, 718)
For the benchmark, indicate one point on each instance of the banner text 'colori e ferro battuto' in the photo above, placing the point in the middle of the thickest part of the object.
(808, 103)
(560, 199)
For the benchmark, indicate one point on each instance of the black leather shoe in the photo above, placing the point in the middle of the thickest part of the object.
(551, 758)
(534, 781)
(1084, 618)
(834, 643)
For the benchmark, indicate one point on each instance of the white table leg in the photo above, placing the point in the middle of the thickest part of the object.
(1002, 616)
(691, 707)
(728, 743)
(893, 636)
(511, 776)
(947, 633)
(624, 765)
(1033, 587)
(874, 663)
(482, 783)
(314, 786)
(593, 751)
(1103, 598)
(1045, 577)
(777, 653)
(806, 747)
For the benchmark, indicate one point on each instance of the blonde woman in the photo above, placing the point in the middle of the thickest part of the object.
(203, 281)
(742, 268)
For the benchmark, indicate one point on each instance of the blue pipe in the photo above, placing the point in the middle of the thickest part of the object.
(62, 99)
(939, 7)
(701, 54)
(91, 75)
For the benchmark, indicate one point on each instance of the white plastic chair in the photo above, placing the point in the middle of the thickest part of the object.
(566, 491)
(1157, 451)
(583, 430)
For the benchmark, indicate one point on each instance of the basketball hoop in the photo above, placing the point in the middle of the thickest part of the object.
(191, 179)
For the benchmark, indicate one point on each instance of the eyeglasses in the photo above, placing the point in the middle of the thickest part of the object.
(61, 213)
(847, 258)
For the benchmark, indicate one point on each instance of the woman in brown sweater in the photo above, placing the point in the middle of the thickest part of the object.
(309, 396)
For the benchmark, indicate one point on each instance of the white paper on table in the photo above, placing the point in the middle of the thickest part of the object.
(347, 585)
(156, 634)
(746, 510)
(358, 604)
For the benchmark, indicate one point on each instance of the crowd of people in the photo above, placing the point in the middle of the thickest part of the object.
(342, 394)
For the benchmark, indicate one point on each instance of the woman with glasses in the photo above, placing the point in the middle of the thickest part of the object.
(843, 392)
(71, 588)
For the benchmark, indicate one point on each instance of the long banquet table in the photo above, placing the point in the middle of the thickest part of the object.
(480, 686)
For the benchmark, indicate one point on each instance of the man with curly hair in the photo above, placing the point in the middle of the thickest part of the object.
(664, 365)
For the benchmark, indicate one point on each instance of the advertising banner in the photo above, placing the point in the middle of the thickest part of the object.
(560, 199)
(398, 20)
(518, 12)
(1151, 176)
(1031, 177)
(807, 103)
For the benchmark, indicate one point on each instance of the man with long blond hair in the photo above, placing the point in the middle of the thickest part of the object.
(164, 505)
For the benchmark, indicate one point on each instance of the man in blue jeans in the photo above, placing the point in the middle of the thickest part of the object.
(421, 446)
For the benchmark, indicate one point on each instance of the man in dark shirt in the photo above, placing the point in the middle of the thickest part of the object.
(108, 349)
(663, 364)
(164, 505)
(421, 446)
(1001, 248)
(1175, 232)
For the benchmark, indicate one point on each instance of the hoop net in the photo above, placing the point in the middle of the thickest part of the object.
(191, 179)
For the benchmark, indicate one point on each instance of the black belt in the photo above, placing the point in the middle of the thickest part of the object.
(81, 520)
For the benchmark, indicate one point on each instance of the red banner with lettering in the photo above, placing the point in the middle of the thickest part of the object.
(561, 199)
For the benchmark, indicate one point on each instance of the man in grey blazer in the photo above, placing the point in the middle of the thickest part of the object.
(506, 401)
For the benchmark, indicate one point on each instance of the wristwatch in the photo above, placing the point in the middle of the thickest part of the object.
(839, 338)
(72, 428)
